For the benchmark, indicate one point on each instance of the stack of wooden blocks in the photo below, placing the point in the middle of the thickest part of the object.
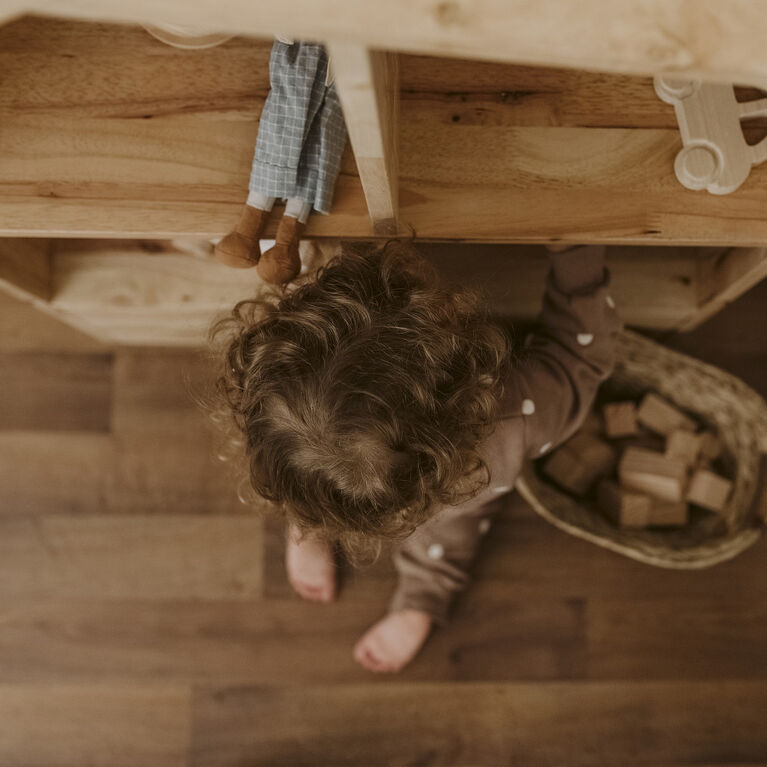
(645, 465)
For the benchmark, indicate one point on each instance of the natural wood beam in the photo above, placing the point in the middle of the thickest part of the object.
(722, 278)
(164, 297)
(25, 268)
(368, 87)
(707, 38)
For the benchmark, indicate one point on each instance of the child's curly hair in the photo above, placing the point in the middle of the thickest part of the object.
(362, 396)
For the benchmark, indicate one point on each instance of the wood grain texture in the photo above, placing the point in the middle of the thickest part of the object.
(651, 36)
(133, 294)
(25, 268)
(505, 156)
(580, 724)
(129, 557)
(53, 392)
(61, 725)
(368, 87)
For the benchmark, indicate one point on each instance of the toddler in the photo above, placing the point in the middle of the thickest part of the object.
(374, 405)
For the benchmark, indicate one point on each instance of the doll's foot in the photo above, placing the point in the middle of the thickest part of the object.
(282, 263)
(394, 641)
(311, 567)
(240, 248)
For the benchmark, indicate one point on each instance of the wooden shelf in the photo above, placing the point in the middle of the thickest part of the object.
(163, 294)
(106, 132)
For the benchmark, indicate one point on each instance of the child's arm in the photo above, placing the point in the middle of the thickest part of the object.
(570, 353)
(564, 361)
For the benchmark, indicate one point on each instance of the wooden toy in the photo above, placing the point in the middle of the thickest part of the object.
(578, 463)
(710, 447)
(683, 445)
(715, 155)
(709, 490)
(592, 424)
(662, 417)
(623, 507)
(668, 514)
(653, 473)
(620, 419)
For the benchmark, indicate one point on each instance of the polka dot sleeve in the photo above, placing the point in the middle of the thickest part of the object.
(568, 355)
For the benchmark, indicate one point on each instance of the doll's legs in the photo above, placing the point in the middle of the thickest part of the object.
(311, 566)
(240, 247)
(282, 262)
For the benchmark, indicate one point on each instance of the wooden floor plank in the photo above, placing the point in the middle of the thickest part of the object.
(489, 152)
(121, 726)
(167, 444)
(276, 642)
(579, 724)
(44, 472)
(525, 558)
(677, 638)
(123, 557)
(55, 392)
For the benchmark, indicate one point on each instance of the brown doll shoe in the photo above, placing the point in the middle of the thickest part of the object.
(240, 247)
(282, 263)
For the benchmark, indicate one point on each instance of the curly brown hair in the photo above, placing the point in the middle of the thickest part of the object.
(361, 397)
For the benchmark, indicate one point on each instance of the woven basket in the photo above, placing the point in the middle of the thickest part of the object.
(724, 403)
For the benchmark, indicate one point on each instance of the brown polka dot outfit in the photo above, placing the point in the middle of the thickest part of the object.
(547, 396)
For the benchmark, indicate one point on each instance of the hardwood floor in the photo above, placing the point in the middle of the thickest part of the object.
(145, 618)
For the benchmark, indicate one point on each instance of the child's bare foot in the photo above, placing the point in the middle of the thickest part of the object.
(311, 567)
(394, 641)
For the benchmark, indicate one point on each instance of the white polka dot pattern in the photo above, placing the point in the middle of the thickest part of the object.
(610, 302)
(528, 407)
(484, 526)
(545, 448)
(435, 551)
(584, 339)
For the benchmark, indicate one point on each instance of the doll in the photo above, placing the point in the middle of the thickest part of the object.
(301, 138)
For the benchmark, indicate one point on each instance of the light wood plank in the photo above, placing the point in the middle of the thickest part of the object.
(121, 726)
(723, 278)
(27, 329)
(167, 298)
(174, 163)
(543, 723)
(155, 557)
(706, 39)
(368, 88)
(25, 268)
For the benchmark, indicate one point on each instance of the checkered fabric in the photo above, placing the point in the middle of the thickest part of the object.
(302, 133)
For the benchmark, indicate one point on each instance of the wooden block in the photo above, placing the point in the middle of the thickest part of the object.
(683, 445)
(710, 446)
(592, 424)
(653, 473)
(660, 416)
(667, 514)
(620, 419)
(709, 490)
(578, 463)
(623, 507)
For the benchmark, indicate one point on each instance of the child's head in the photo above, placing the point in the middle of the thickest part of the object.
(363, 395)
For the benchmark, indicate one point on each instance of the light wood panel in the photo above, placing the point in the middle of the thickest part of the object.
(25, 268)
(368, 88)
(507, 154)
(645, 36)
(167, 298)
